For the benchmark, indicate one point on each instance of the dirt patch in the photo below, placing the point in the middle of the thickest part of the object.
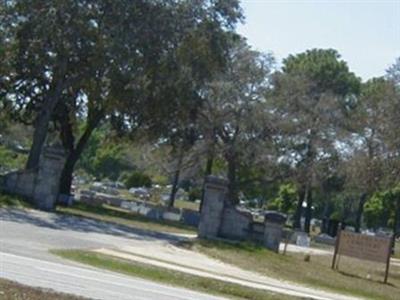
(10, 290)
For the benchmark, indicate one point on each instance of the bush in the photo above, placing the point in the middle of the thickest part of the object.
(195, 194)
(10, 159)
(137, 179)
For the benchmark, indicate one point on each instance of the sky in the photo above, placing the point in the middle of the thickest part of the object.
(366, 33)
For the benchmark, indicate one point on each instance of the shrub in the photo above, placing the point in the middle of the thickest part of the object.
(138, 179)
(195, 194)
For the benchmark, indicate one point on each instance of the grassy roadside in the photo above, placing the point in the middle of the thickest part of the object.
(355, 277)
(13, 201)
(10, 290)
(166, 276)
(114, 215)
(397, 251)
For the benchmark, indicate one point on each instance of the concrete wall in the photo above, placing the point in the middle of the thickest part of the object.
(221, 219)
(213, 207)
(40, 185)
(235, 224)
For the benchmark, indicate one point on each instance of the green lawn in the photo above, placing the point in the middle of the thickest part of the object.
(355, 277)
(166, 276)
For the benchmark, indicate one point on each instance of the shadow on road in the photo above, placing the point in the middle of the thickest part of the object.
(72, 223)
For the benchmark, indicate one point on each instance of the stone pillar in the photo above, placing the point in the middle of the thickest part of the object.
(48, 177)
(215, 193)
(274, 222)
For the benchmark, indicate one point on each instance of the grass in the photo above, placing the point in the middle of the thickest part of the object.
(13, 201)
(187, 205)
(355, 277)
(397, 250)
(10, 290)
(169, 277)
(114, 215)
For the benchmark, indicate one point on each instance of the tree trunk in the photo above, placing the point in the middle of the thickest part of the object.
(208, 171)
(174, 188)
(43, 119)
(308, 215)
(325, 219)
(396, 224)
(75, 153)
(175, 182)
(67, 173)
(299, 208)
(41, 127)
(232, 188)
(360, 211)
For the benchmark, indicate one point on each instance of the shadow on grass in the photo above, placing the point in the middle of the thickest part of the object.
(351, 275)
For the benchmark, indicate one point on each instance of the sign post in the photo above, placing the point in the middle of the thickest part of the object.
(373, 248)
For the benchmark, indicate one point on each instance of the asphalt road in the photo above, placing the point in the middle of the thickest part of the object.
(25, 239)
(27, 236)
(86, 282)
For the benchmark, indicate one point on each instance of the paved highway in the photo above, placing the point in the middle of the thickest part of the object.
(25, 239)
(87, 282)
(27, 236)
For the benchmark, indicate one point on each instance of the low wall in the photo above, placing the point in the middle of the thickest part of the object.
(151, 211)
(235, 224)
(221, 219)
(39, 185)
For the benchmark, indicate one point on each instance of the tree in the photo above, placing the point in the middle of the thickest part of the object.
(285, 202)
(382, 209)
(78, 60)
(312, 93)
(393, 73)
(54, 46)
(230, 102)
(369, 124)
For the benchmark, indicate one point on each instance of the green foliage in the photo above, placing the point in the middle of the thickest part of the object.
(13, 201)
(10, 159)
(137, 179)
(379, 210)
(194, 193)
(102, 157)
(108, 162)
(160, 179)
(374, 210)
(89, 154)
(324, 68)
(286, 200)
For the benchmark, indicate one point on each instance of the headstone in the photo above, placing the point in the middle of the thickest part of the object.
(303, 240)
(274, 222)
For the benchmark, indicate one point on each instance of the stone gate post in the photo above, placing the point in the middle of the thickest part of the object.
(213, 206)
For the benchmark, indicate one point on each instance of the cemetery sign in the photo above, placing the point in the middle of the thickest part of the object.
(361, 246)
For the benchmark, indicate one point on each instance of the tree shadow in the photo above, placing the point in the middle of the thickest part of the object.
(363, 278)
(55, 221)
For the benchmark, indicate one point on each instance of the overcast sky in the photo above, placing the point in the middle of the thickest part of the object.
(366, 33)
